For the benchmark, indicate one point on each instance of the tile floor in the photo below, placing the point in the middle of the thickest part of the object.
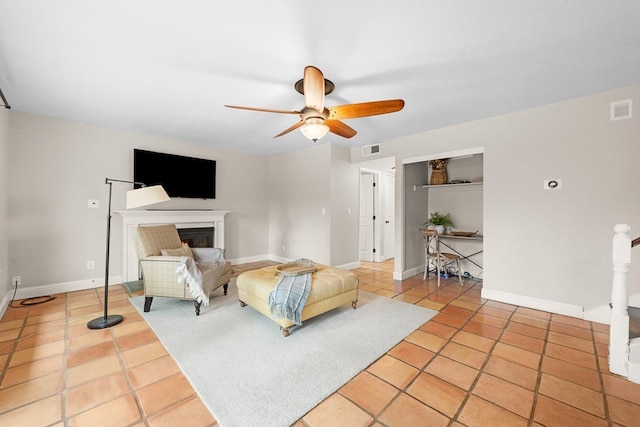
(476, 363)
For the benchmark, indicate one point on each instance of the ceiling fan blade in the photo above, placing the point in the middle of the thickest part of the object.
(364, 109)
(294, 127)
(340, 128)
(313, 84)
(265, 110)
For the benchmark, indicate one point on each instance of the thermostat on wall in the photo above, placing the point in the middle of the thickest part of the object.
(552, 184)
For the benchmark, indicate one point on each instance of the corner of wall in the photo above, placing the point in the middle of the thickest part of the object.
(4, 183)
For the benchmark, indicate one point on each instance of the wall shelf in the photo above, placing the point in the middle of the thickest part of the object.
(463, 184)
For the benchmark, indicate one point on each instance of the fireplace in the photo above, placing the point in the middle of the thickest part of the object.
(200, 237)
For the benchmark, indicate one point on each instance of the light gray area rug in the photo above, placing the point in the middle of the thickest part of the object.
(248, 374)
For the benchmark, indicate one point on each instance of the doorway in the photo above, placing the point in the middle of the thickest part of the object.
(367, 215)
(418, 199)
(377, 210)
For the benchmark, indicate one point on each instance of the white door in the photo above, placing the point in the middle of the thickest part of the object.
(389, 216)
(366, 216)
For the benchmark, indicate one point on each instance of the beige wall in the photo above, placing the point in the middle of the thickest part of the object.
(302, 184)
(5, 283)
(299, 188)
(344, 207)
(551, 245)
(56, 166)
(414, 208)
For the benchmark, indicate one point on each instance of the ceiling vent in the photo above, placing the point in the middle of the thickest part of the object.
(370, 150)
(621, 110)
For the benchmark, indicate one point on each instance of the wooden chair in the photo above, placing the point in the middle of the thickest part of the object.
(440, 259)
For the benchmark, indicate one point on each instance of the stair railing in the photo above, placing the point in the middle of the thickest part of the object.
(619, 328)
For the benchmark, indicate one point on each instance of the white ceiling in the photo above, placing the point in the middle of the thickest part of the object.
(167, 67)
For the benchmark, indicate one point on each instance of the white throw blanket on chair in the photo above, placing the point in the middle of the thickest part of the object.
(202, 272)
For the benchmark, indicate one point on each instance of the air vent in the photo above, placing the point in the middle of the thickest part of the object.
(370, 150)
(621, 110)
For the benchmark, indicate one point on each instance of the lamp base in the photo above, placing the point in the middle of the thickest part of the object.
(105, 322)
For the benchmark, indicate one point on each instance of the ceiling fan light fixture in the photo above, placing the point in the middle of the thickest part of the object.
(316, 119)
(314, 129)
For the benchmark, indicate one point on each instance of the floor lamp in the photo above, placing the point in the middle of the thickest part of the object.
(135, 198)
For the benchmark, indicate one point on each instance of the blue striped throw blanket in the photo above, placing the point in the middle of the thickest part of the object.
(287, 299)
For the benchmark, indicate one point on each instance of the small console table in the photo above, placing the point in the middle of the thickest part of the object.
(476, 237)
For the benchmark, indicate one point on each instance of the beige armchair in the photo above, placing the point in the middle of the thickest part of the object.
(159, 271)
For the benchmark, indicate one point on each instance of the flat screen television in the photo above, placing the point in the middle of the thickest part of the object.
(180, 176)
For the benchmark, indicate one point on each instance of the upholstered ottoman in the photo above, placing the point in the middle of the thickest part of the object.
(330, 288)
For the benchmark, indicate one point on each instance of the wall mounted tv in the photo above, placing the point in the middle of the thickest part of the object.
(181, 176)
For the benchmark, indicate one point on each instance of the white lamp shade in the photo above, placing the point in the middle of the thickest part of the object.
(314, 129)
(146, 196)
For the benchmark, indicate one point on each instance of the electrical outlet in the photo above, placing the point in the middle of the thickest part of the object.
(91, 265)
(17, 281)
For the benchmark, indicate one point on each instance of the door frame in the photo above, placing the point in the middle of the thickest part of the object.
(384, 255)
(400, 271)
(378, 167)
(376, 178)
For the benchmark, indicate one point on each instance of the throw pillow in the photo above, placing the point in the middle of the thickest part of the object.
(184, 250)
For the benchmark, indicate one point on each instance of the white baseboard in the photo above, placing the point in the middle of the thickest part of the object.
(55, 288)
(277, 258)
(600, 314)
(349, 266)
(535, 303)
(59, 288)
(634, 372)
(249, 259)
(5, 303)
(402, 275)
(634, 300)
(633, 366)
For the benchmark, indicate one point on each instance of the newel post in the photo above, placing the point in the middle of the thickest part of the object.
(619, 328)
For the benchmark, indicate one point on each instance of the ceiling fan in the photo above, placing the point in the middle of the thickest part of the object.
(316, 119)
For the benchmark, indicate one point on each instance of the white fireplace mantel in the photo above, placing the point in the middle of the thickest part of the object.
(182, 219)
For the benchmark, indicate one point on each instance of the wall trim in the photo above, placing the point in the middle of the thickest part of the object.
(634, 372)
(5, 303)
(403, 275)
(600, 314)
(248, 259)
(277, 258)
(535, 303)
(60, 288)
(456, 153)
(349, 266)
